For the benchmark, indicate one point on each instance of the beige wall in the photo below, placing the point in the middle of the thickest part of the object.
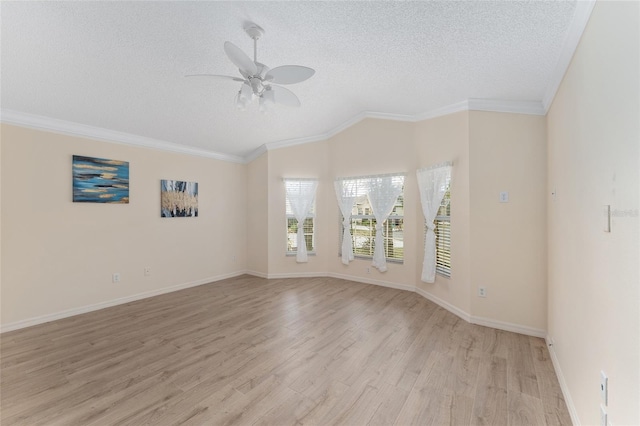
(375, 147)
(58, 255)
(257, 216)
(0, 226)
(487, 149)
(594, 283)
(491, 152)
(301, 161)
(508, 240)
(438, 140)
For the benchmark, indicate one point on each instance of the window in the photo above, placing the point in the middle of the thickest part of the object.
(363, 224)
(443, 235)
(292, 232)
(292, 229)
(363, 230)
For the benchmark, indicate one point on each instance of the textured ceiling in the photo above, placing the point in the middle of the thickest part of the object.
(121, 65)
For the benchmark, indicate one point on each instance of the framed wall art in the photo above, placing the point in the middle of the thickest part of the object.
(99, 180)
(178, 198)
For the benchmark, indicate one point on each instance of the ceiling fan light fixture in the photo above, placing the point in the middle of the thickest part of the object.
(246, 93)
(267, 100)
(241, 103)
(268, 96)
(262, 105)
(258, 80)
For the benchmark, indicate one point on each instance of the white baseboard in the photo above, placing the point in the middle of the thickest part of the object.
(563, 383)
(446, 305)
(101, 305)
(297, 275)
(487, 322)
(332, 275)
(256, 274)
(516, 328)
(507, 326)
(371, 281)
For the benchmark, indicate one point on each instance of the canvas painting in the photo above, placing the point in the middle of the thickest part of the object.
(98, 180)
(178, 198)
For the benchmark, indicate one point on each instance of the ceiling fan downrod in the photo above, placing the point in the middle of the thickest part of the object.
(255, 32)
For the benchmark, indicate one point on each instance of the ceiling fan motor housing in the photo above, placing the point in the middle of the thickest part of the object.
(256, 85)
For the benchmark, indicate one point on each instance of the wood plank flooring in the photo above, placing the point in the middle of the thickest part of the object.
(250, 351)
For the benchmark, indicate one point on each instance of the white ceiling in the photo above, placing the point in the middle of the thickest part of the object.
(120, 65)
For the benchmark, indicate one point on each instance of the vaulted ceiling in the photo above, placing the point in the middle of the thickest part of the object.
(118, 68)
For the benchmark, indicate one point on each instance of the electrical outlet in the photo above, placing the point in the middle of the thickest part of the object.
(368, 269)
(504, 197)
(147, 271)
(115, 277)
(482, 292)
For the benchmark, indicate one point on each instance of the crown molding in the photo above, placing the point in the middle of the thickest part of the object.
(579, 21)
(269, 146)
(577, 26)
(345, 125)
(317, 138)
(340, 128)
(519, 107)
(445, 110)
(69, 128)
(75, 129)
(514, 107)
(253, 155)
(389, 116)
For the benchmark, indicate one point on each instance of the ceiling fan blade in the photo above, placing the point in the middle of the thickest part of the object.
(240, 59)
(289, 74)
(284, 96)
(215, 76)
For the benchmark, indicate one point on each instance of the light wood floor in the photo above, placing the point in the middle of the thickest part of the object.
(316, 351)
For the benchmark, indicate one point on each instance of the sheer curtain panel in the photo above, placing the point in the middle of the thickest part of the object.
(383, 192)
(300, 194)
(432, 183)
(346, 193)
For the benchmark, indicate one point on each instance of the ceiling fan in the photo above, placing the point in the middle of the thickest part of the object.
(258, 80)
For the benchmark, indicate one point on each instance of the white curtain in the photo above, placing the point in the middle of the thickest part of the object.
(432, 183)
(346, 193)
(300, 194)
(383, 193)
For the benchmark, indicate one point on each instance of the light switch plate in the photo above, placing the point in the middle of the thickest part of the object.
(604, 388)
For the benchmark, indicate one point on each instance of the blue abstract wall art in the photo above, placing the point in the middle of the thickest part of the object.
(98, 180)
